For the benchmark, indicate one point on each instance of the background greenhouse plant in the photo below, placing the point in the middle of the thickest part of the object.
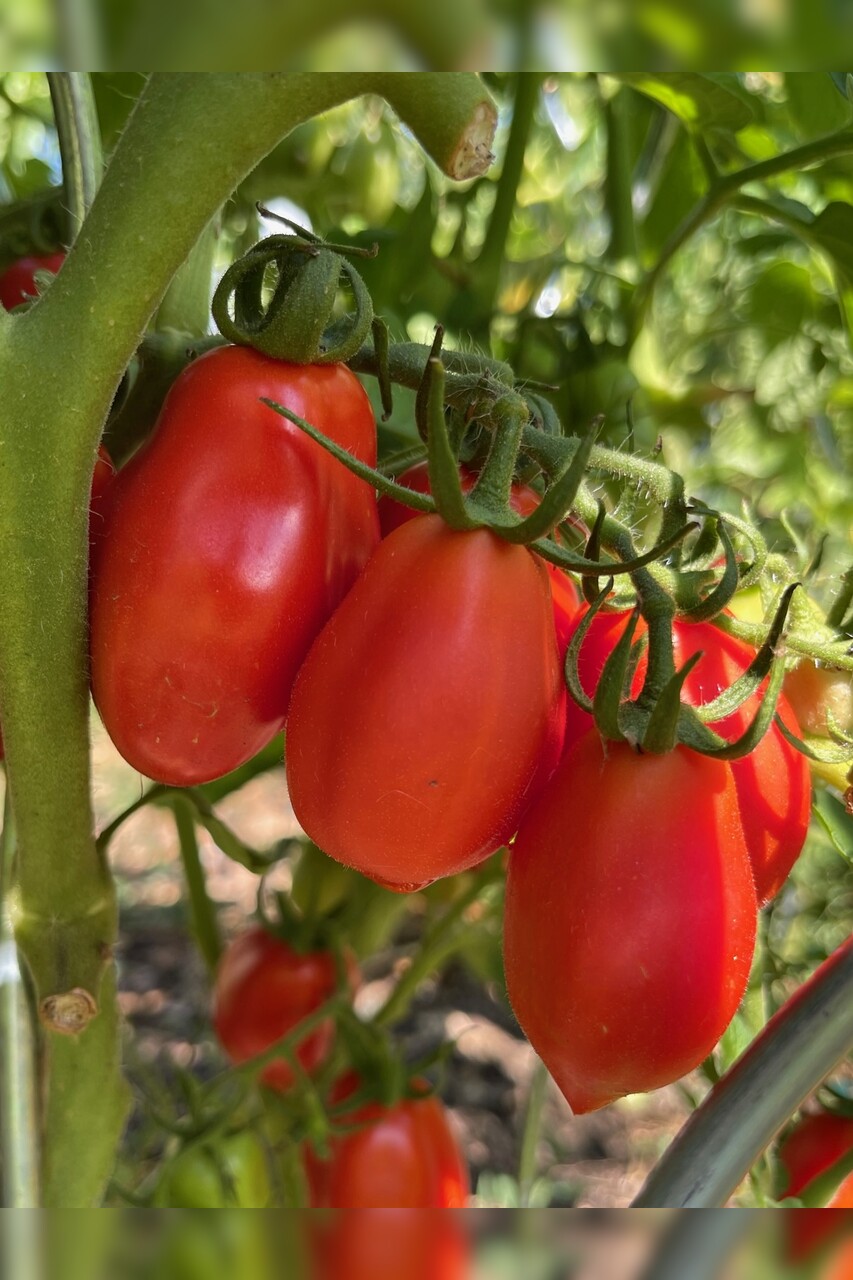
(669, 251)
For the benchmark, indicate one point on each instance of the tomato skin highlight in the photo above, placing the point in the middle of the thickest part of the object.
(264, 989)
(630, 918)
(401, 1157)
(229, 538)
(524, 500)
(420, 718)
(17, 282)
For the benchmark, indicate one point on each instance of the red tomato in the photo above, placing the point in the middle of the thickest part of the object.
(629, 924)
(387, 1244)
(229, 538)
(400, 1157)
(524, 500)
(18, 284)
(264, 989)
(773, 782)
(420, 718)
(809, 1230)
(817, 1142)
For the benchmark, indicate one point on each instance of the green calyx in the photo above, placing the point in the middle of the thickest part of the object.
(281, 299)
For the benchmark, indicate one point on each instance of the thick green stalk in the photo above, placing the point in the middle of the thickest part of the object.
(475, 309)
(190, 140)
(796, 1050)
(18, 1123)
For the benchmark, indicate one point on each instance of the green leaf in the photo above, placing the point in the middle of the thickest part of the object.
(700, 101)
(836, 822)
(815, 104)
(832, 230)
(680, 185)
(780, 300)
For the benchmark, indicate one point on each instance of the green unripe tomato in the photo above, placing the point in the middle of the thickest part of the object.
(227, 1245)
(228, 1171)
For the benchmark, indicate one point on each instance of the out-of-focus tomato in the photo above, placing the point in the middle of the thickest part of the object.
(228, 1170)
(817, 1142)
(629, 924)
(421, 718)
(400, 1157)
(264, 989)
(229, 538)
(389, 1244)
(18, 282)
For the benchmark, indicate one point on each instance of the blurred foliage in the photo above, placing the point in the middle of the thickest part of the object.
(390, 35)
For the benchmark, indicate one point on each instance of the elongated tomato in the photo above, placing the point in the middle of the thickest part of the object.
(420, 717)
(227, 542)
(630, 915)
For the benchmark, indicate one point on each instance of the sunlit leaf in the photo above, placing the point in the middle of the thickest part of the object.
(701, 101)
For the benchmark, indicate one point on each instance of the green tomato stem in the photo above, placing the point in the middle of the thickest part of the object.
(438, 943)
(79, 142)
(532, 1129)
(202, 911)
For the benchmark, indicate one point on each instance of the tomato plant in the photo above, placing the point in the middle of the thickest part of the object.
(630, 918)
(228, 540)
(426, 715)
(18, 282)
(403, 1156)
(427, 705)
(263, 989)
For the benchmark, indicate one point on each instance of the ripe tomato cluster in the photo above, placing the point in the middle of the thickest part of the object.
(402, 1155)
(243, 583)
